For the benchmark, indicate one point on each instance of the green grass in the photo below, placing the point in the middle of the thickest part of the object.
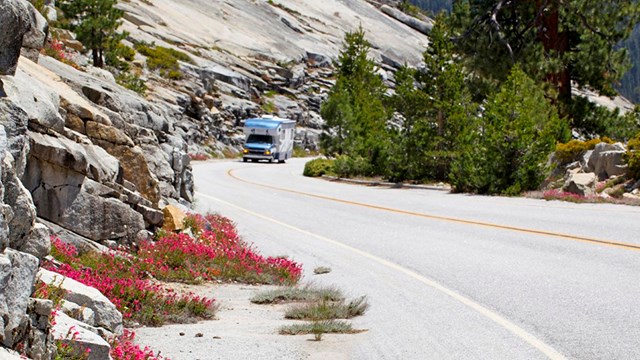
(163, 59)
(269, 107)
(132, 82)
(297, 293)
(319, 327)
(328, 310)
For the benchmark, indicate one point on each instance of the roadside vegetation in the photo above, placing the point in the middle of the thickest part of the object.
(323, 309)
(488, 109)
(321, 270)
(132, 278)
(298, 293)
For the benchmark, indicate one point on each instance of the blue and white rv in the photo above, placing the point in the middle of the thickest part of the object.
(268, 138)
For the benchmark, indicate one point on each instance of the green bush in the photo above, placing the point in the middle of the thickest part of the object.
(346, 166)
(119, 56)
(163, 59)
(317, 167)
(132, 82)
(633, 158)
(568, 152)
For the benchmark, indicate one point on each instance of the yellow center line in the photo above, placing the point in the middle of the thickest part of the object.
(612, 243)
(516, 330)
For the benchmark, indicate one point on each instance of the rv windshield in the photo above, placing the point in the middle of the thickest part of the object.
(258, 139)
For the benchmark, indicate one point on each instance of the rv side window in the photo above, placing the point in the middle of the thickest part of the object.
(255, 138)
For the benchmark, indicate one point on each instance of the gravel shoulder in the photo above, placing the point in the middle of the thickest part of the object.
(242, 330)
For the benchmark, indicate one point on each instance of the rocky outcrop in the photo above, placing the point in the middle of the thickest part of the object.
(17, 275)
(35, 38)
(105, 314)
(601, 172)
(422, 26)
(80, 337)
(607, 160)
(23, 242)
(15, 21)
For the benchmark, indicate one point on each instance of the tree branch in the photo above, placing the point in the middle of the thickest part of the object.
(496, 25)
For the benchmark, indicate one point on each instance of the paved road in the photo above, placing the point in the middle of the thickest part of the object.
(448, 276)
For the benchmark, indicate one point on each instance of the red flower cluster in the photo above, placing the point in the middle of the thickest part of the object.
(214, 251)
(211, 250)
(123, 280)
(199, 157)
(555, 194)
(125, 349)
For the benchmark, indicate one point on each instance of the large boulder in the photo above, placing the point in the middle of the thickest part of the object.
(35, 38)
(607, 160)
(69, 99)
(15, 21)
(582, 184)
(14, 122)
(136, 170)
(22, 213)
(17, 276)
(80, 337)
(105, 314)
(81, 243)
(38, 242)
(80, 204)
(422, 26)
(39, 101)
(85, 159)
(213, 73)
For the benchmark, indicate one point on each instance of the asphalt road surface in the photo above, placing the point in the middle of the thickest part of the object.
(448, 276)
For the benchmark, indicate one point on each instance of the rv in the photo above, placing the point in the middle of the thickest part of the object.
(268, 138)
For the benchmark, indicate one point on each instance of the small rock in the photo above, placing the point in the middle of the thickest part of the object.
(173, 218)
(181, 334)
(199, 335)
(580, 183)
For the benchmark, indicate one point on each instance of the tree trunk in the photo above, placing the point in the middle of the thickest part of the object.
(555, 43)
(96, 57)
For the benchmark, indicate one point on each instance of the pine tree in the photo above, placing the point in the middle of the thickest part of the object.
(355, 116)
(406, 147)
(507, 147)
(558, 41)
(96, 23)
(450, 105)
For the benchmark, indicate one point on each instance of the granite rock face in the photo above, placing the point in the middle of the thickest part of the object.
(15, 21)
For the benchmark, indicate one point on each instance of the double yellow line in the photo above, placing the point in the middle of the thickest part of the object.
(603, 242)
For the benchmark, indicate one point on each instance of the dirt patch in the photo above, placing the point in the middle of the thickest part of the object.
(242, 330)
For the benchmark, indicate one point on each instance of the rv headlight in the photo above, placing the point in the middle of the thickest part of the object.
(245, 151)
(267, 152)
